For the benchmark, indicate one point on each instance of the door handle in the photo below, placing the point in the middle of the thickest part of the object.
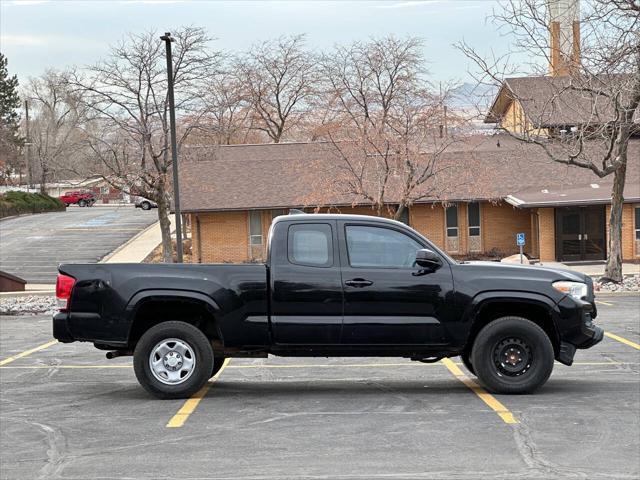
(358, 282)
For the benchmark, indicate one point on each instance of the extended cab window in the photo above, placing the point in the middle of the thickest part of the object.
(380, 247)
(311, 245)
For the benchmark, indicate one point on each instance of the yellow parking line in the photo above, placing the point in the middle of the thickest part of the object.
(191, 404)
(27, 352)
(604, 303)
(485, 396)
(622, 340)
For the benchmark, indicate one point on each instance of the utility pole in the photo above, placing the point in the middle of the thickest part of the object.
(167, 38)
(28, 144)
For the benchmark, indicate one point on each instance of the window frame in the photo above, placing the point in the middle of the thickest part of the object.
(331, 247)
(384, 227)
(446, 222)
(251, 235)
(636, 218)
(479, 227)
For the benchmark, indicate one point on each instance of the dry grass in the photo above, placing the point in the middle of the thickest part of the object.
(156, 255)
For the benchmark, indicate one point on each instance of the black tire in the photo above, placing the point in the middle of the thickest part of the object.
(145, 206)
(217, 365)
(512, 355)
(466, 360)
(82, 203)
(199, 350)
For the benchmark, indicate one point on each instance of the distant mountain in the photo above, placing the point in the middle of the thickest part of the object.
(468, 95)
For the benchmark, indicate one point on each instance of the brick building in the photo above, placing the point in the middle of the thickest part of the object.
(505, 187)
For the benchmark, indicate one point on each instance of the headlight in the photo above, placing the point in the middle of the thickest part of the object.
(575, 289)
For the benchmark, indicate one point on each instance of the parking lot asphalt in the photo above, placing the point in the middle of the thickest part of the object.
(34, 245)
(67, 412)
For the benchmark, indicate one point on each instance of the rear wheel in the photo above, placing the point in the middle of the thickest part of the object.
(173, 360)
(512, 355)
(82, 203)
(146, 206)
(218, 362)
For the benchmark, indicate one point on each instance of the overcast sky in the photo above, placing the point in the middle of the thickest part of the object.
(38, 34)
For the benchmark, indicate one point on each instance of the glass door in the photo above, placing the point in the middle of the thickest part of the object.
(568, 234)
(593, 233)
(580, 233)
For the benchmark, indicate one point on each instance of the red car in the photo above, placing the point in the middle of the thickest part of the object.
(82, 199)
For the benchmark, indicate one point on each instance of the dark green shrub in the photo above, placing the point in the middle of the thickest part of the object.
(17, 203)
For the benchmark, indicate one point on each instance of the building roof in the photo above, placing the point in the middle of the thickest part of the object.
(560, 101)
(572, 195)
(272, 176)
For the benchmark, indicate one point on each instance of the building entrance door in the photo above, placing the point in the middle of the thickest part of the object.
(580, 233)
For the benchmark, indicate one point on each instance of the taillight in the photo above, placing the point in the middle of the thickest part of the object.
(64, 286)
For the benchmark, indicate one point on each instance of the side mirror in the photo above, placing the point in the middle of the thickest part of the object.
(428, 259)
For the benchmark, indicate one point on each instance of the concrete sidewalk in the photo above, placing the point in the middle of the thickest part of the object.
(592, 269)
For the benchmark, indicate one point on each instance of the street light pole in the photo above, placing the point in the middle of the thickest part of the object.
(167, 38)
(28, 145)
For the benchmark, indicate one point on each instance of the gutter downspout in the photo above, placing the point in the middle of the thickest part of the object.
(198, 238)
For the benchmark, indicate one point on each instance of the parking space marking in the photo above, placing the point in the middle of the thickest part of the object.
(493, 403)
(27, 352)
(622, 340)
(608, 304)
(191, 404)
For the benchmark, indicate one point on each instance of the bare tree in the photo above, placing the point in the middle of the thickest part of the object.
(127, 94)
(591, 104)
(279, 78)
(386, 126)
(228, 109)
(58, 115)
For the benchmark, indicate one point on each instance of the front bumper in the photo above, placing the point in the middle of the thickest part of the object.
(579, 331)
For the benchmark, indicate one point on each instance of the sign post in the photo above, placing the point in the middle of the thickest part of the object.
(520, 241)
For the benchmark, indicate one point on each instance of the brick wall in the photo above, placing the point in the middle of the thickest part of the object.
(636, 243)
(224, 237)
(630, 250)
(429, 221)
(547, 234)
(500, 223)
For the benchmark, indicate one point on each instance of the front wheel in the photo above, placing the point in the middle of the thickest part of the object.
(466, 360)
(512, 355)
(146, 206)
(82, 203)
(173, 360)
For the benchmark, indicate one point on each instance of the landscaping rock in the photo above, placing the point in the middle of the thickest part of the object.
(29, 305)
(630, 283)
(516, 259)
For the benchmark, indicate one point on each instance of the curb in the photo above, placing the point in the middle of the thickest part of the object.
(35, 293)
(29, 214)
(108, 256)
(628, 293)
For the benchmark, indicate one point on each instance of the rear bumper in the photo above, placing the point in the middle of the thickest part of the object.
(61, 328)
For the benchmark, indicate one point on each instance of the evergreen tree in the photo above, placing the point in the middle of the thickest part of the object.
(9, 103)
(10, 138)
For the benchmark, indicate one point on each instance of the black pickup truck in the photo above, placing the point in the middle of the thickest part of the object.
(333, 285)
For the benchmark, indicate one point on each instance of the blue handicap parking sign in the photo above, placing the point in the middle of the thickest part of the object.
(520, 239)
